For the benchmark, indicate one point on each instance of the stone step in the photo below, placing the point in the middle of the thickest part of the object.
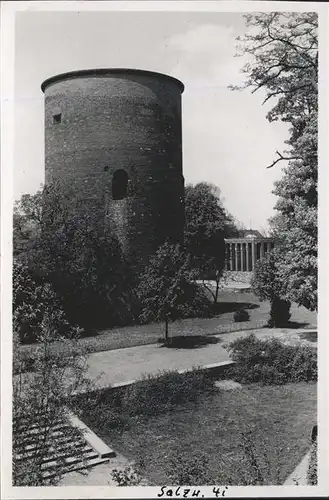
(102, 449)
(32, 438)
(40, 429)
(85, 452)
(71, 446)
(28, 427)
(70, 460)
(36, 421)
(35, 451)
(79, 467)
(34, 445)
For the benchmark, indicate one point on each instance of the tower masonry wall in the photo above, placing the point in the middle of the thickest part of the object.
(98, 124)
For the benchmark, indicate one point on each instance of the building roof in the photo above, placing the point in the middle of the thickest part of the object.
(85, 73)
(250, 232)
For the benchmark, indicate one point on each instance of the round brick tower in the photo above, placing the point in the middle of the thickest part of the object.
(113, 142)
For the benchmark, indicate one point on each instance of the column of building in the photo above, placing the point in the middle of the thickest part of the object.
(247, 256)
(253, 255)
(236, 256)
(262, 250)
(243, 254)
(231, 256)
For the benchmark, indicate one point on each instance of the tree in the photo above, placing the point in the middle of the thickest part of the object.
(233, 227)
(27, 220)
(31, 299)
(206, 225)
(283, 62)
(88, 271)
(167, 290)
(295, 231)
(76, 253)
(267, 285)
(40, 402)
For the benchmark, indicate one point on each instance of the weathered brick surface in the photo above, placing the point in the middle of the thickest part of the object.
(119, 120)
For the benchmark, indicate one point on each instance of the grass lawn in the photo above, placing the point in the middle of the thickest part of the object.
(281, 419)
(135, 335)
(228, 302)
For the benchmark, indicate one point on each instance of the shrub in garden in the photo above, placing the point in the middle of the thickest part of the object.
(41, 399)
(150, 396)
(27, 219)
(271, 361)
(88, 271)
(129, 476)
(279, 313)
(241, 315)
(155, 394)
(267, 285)
(132, 474)
(100, 410)
(31, 298)
(79, 257)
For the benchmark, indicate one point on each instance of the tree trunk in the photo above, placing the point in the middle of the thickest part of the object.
(166, 330)
(209, 290)
(218, 276)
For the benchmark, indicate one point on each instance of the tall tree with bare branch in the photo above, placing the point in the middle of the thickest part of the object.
(282, 53)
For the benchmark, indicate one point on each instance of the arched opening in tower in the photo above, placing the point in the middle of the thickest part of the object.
(119, 185)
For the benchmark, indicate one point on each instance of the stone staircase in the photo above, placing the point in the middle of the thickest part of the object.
(68, 445)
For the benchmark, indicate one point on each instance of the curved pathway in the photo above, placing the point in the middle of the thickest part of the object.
(124, 365)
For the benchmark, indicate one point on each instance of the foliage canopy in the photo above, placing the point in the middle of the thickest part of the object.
(282, 51)
(167, 290)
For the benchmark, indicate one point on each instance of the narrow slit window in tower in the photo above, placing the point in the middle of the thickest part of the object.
(57, 118)
(119, 185)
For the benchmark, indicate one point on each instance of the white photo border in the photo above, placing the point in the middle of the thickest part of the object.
(8, 12)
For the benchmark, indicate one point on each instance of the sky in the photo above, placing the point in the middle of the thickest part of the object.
(227, 140)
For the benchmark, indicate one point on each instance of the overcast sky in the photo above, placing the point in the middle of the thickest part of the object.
(226, 137)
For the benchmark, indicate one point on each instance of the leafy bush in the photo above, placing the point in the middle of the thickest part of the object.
(150, 396)
(241, 315)
(312, 471)
(82, 260)
(87, 269)
(279, 313)
(266, 282)
(155, 394)
(128, 476)
(271, 361)
(267, 285)
(31, 299)
(27, 219)
(41, 399)
(101, 410)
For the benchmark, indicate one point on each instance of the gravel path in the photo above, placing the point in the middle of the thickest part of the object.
(124, 365)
